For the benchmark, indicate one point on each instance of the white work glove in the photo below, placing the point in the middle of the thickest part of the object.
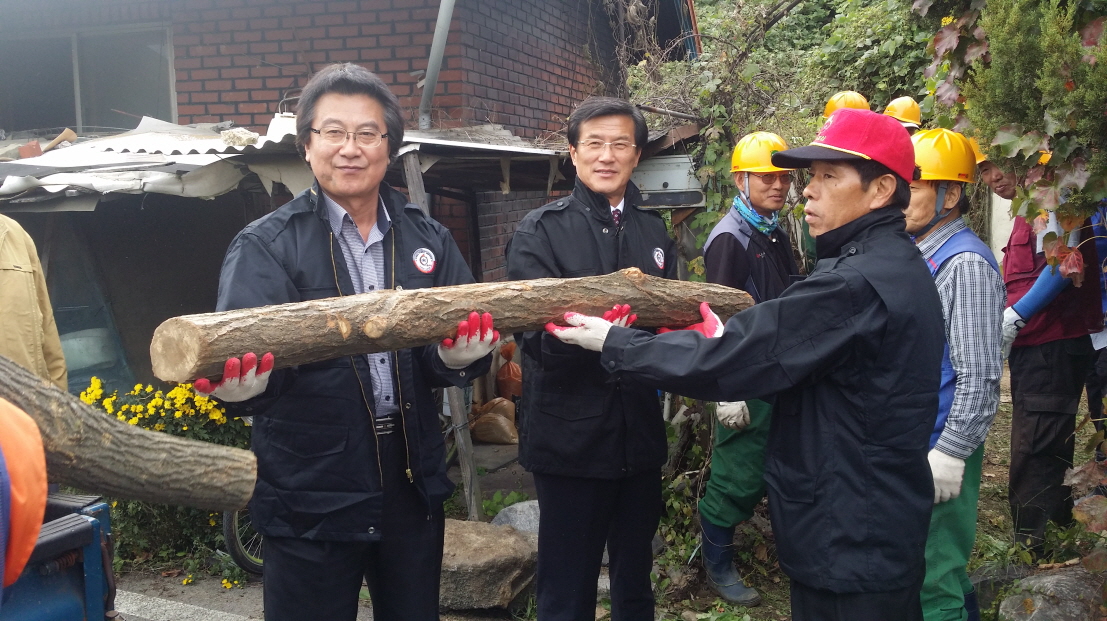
(242, 379)
(475, 339)
(583, 330)
(733, 414)
(1012, 323)
(947, 472)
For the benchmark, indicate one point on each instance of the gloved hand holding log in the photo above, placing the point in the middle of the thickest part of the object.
(184, 348)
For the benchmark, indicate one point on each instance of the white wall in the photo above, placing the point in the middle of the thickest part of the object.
(999, 229)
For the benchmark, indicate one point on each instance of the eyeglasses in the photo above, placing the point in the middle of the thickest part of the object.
(336, 135)
(594, 145)
(770, 179)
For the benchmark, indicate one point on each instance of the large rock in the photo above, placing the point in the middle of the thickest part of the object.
(1070, 594)
(485, 565)
(521, 516)
(990, 581)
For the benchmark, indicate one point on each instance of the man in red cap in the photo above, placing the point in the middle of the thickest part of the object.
(853, 354)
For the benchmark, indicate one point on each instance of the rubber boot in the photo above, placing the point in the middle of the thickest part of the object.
(718, 560)
(971, 606)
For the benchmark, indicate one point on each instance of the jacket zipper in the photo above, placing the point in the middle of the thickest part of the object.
(396, 374)
(353, 365)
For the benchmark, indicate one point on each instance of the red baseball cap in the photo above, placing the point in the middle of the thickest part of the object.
(852, 134)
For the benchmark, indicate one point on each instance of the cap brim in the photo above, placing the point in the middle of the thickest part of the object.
(801, 157)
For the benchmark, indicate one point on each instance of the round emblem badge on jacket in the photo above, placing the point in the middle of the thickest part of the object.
(659, 258)
(424, 260)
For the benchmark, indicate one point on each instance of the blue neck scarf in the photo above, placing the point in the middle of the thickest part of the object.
(756, 220)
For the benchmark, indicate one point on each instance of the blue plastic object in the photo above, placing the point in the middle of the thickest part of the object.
(68, 577)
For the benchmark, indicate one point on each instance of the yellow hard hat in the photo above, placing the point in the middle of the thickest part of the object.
(944, 155)
(845, 99)
(1045, 157)
(904, 110)
(754, 153)
(977, 152)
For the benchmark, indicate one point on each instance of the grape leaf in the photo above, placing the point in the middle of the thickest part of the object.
(1072, 266)
(1047, 197)
(975, 51)
(945, 40)
(1091, 511)
(1007, 139)
(1085, 478)
(1091, 34)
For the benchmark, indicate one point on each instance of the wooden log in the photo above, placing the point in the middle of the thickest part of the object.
(192, 346)
(95, 452)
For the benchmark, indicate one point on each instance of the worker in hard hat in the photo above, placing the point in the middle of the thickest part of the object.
(22, 491)
(749, 251)
(845, 99)
(907, 112)
(973, 298)
(1046, 330)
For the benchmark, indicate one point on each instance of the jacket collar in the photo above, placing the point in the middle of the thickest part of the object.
(600, 207)
(880, 221)
(394, 202)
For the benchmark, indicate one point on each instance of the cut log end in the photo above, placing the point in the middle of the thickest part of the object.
(175, 350)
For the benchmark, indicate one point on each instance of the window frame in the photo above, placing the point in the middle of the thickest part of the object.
(74, 34)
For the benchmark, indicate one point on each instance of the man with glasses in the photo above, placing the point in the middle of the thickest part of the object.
(746, 250)
(351, 470)
(595, 443)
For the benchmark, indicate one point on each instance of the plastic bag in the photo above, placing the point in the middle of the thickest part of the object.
(494, 423)
(509, 379)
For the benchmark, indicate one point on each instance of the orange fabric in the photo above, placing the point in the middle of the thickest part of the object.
(26, 464)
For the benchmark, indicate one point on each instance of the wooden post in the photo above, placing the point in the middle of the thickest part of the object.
(417, 194)
(413, 174)
(460, 419)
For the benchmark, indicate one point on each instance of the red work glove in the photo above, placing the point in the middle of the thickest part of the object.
(475, 339)
(242, 379)
(710, 327)
(619, 315)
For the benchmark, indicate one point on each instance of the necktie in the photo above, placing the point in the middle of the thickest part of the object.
(617, 215)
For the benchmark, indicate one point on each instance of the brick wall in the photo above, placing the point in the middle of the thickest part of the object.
(454, 215)
(528, 62)
(236, 58)
(497, 218)
(521, 63)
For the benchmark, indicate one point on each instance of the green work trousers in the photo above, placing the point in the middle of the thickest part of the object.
(948, 546)
(737, 480)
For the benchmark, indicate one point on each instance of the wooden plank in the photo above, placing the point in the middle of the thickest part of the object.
(460, 419)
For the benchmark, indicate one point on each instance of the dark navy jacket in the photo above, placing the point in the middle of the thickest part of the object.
(318, 476)
(853, 354)
(576, 419)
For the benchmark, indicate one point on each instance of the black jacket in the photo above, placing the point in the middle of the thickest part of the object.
(318, 476)
(576, 420)
(762, 267)
(853, 354)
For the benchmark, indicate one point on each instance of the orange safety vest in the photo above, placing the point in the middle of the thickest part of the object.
(25, 461)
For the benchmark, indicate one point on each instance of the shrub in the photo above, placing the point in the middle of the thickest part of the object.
(162, 534)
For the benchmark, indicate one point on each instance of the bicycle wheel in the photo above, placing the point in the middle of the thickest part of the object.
(243, 542)
(449, 437)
